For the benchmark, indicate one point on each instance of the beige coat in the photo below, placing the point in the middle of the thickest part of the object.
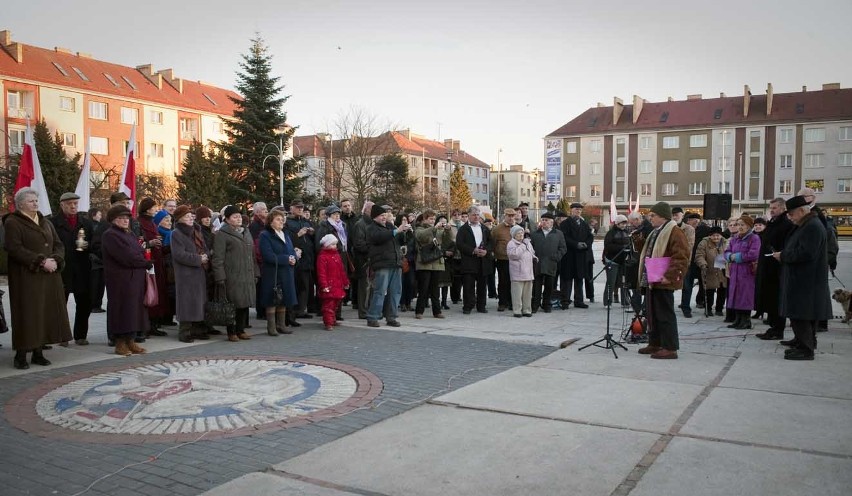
(705, 255)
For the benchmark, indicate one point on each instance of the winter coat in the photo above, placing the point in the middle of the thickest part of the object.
(332, 280)
(705, 257)
(575, 263)
(425, 236)
(501, 235)
(521, 255)
(689, 231)
(326, 227)
(676, 249)
(190, 275)
(384, 251)
(742, 252)
(702, 230)
(804, 272)
(207, 234)
(550, 249)
(78, 265)
(615, 241)
(233, 265)
(125, 279)
(276, 268)
(466, 243)
(36, 297)
(772, 239)
(360, 247)
(158, 258)
(307, 262)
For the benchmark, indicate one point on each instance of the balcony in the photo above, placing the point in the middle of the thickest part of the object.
(20, 112)
(189, 135)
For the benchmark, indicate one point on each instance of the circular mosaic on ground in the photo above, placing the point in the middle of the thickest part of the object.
(176, 399)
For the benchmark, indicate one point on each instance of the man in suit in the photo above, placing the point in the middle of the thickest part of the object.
(575, 265)
(477, 261)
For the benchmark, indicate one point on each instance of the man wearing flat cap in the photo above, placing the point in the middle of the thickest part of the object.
(665, 241)
(549, 245)
(501, 236)
(804, 278)
(575, 263)
(77, 234)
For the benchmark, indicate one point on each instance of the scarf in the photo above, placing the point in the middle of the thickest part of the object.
(165, 233)
(658, 241)
(340, 227)
(197, 240)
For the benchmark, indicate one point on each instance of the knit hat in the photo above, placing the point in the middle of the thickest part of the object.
(619, 219)
(159, 216)
(328, 240)
(514, 230)
(203, 213)
(662, 209)
(181, 211)
(146, 204)
(376, 211)
(117, 211)
(747, 220)
(332, 209)
(230, 210)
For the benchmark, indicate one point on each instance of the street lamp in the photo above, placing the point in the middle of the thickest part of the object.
(537, 194)
(742, 182)
(499, 179)
(449, 183)
(281, 158)
(330, 140)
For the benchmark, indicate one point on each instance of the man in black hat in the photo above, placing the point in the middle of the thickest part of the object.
(77, 234)
(549, 246)
(768, 278)
(385, 257)
(804, 278)
(575, 263)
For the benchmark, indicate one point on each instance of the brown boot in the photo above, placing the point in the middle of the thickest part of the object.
(281, 322)
(121, 345)
(665, 354)
(270, 322)
(649, 350)
(135, 348)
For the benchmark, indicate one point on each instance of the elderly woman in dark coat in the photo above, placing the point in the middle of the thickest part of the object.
(191, 259)
(804, 279)
(124, 275)
(234, 269)
(161, 313)
(279, 257)
(36, 293)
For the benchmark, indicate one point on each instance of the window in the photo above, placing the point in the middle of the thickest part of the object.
(129, 82)
(99, 146)
(485, 188)
(785, 136)
(477, 188)
(156, 150)
(785, 161)
(485, 173)
(468, 170)
(16, 140)
(814, 134)
(844, 159)
(645, 167)
(219, 128)
(813, 160)
(619, 141)
(785, 187)
(129, 115)
(698, 141)
(156, 117)
(645, 142)
(572, 169)
(595, 168)
(112, 80)
(671, 142)
(80, 73)
(19, 103)
(844, 185)
(210, 99)
(189, 131)
(726, 166)
(724, 186)
(727, 137)
(669, 189)
(696, 189)
(670, 165)
(595, 146)
(645, 189)
(67, 103)
(68, 139)
(845, 133)
(571, 192)
(60, 69)
(595, 191)
(571, 147)
(698, 164)
(125, 144)
(98, 110)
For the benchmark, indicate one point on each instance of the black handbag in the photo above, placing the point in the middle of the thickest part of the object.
(277, 291)
(4, 327)
(220, 311)
(431, 252)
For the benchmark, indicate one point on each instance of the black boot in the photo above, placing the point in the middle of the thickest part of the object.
(738, 318)
(745, 320)
(21, 360)
(39, 359)
(185, 332)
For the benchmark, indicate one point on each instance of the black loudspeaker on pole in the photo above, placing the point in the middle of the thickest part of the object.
(717, 206)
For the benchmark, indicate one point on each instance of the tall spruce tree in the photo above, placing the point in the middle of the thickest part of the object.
(460, 197)
(259, 119)
(204, 179)
(393, 184)
(60, 171)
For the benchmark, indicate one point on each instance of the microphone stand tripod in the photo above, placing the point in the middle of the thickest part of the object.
(608, 342)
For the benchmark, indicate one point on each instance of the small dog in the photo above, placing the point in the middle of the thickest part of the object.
(845, 299)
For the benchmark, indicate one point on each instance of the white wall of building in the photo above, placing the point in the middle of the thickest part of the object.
(64, 121)
(165, 134)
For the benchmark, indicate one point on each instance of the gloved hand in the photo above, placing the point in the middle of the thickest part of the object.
(582, 246)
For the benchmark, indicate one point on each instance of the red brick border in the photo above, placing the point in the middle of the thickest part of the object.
(21, 413)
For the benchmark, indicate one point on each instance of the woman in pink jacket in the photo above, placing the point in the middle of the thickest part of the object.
(521, 257)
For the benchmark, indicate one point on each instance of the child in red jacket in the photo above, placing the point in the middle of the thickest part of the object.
(332, 281)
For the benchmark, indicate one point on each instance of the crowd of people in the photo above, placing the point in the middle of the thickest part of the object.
(290, 267)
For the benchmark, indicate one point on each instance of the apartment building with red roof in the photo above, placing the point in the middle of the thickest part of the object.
(87, 99)
(755, 147)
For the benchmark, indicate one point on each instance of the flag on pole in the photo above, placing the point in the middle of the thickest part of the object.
(84, 185)
(612, 210)
(636, 206)
(630, 203)
(29, 173)
(128, 175)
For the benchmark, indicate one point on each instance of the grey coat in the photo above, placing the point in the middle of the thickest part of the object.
(233, 265)
(190, 278)
(549, 249)
(804, 273)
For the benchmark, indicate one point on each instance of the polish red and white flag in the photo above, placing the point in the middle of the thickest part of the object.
(29, 173)
(128, 175)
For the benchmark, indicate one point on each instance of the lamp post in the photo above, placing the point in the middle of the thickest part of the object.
(499, 180)
(330, 140)
(724, 164)
(537, 195)
(449, 183)
(742, 182)
(279, 147)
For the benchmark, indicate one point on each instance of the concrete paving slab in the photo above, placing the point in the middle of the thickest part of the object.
(435, 450)
(272, 485)
(709, 468)
(691, 368)
(561, 394)
(770, 372)
(776, 419)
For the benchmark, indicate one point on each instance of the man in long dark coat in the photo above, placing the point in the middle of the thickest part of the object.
(549, 246)
(575, 264)
(772, 239)
(477, 261)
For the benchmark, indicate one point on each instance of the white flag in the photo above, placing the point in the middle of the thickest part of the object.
(38, 179)
(84, 185)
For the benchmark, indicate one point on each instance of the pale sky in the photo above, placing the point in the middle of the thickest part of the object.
(495, 74)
